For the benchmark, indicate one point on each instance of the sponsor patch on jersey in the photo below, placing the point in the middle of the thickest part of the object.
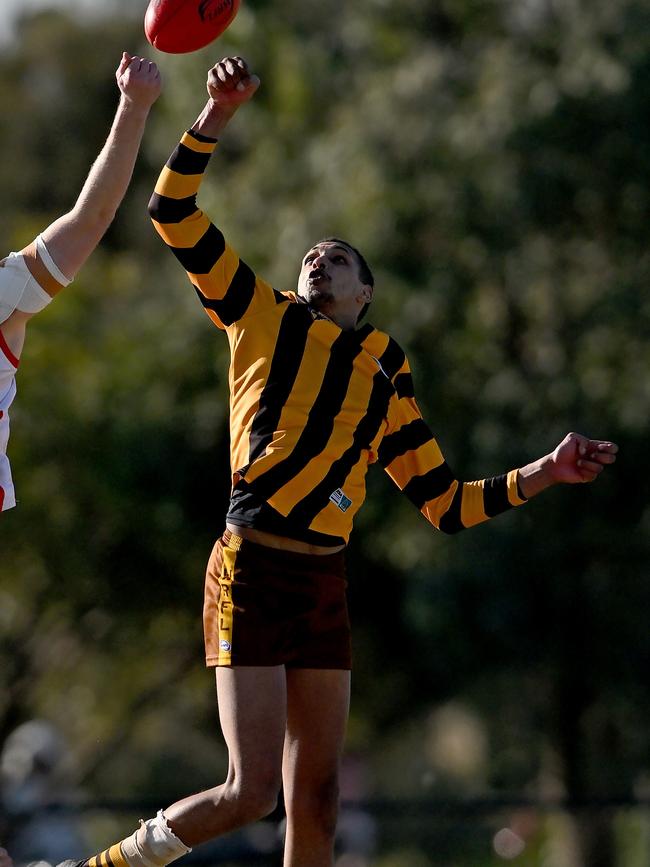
(340, 500)
(225, 645)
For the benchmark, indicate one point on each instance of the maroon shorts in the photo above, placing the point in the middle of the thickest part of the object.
(264, 606)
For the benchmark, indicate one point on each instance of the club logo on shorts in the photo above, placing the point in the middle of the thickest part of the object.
(225, 645)
(340, 500)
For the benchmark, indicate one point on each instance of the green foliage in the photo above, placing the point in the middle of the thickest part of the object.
(490, 159)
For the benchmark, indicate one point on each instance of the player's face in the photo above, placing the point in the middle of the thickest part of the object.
(329, 281)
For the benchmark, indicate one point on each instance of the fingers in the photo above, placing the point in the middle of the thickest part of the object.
(594, 456)
(230, 71)
(143, 67)
(133, 64)
(124, 63)
(597, 451)
(230, 74)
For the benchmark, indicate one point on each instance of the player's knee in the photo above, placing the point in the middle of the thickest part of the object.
(262, 804)
(256, 800)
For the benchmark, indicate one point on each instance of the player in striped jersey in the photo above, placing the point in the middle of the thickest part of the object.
(314, 401)
(31, 278)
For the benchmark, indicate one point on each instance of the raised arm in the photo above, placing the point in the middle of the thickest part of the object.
(230, 84)
(72, 238)
(226, 286)
(38, 272)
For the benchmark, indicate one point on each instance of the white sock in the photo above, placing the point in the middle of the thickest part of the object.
(154, 844)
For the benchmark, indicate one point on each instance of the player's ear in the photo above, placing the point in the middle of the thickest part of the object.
(366, 293)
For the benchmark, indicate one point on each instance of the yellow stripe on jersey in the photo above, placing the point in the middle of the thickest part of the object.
(472, 505)
(311, 406)
(514, 496)
(177, 186)
(198, 145)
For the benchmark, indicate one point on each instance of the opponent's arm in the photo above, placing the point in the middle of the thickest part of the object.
(72, 238)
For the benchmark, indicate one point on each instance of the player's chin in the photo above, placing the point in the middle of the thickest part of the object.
(320, 292)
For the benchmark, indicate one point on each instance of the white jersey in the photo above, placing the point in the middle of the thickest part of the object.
(8, 368)
(19, 290)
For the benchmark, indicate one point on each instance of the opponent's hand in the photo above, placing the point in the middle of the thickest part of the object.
(5, 859)
(230, 83)
(580, 459)
(138, 80)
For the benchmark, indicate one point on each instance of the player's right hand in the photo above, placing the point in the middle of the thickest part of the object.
(139, 81)
(230, 83)
(5, 859)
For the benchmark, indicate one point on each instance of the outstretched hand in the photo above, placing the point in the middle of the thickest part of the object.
(580, 459)
(576, 459)
(138, 80)
(230, 83)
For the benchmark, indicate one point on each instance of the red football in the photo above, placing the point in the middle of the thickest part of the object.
(179, 26)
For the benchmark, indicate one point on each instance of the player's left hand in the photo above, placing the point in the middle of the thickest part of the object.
(580, 459)
(5, 859)
(139, 80)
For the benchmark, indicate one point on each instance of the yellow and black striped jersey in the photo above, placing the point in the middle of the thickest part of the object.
(311, 405)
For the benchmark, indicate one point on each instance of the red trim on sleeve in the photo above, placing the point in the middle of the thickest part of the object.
(2, 496)
(5, 349)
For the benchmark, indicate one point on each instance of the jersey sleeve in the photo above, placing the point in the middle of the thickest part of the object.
(227, 288)
(412, 458)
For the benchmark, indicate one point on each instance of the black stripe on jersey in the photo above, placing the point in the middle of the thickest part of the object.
(450, 522)
(306, 510)
(404, 385)
(320, 422)
(237, 299)
(495, 496)
(392, 358)
(408, 438)
(185, 161)
(201, 258)
(280, 297)
(206, 139)
(166, 210)
(288, 353)
(429, 486)
(363, 332)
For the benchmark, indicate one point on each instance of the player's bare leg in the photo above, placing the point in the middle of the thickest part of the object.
(317, 712)
(252, 711)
